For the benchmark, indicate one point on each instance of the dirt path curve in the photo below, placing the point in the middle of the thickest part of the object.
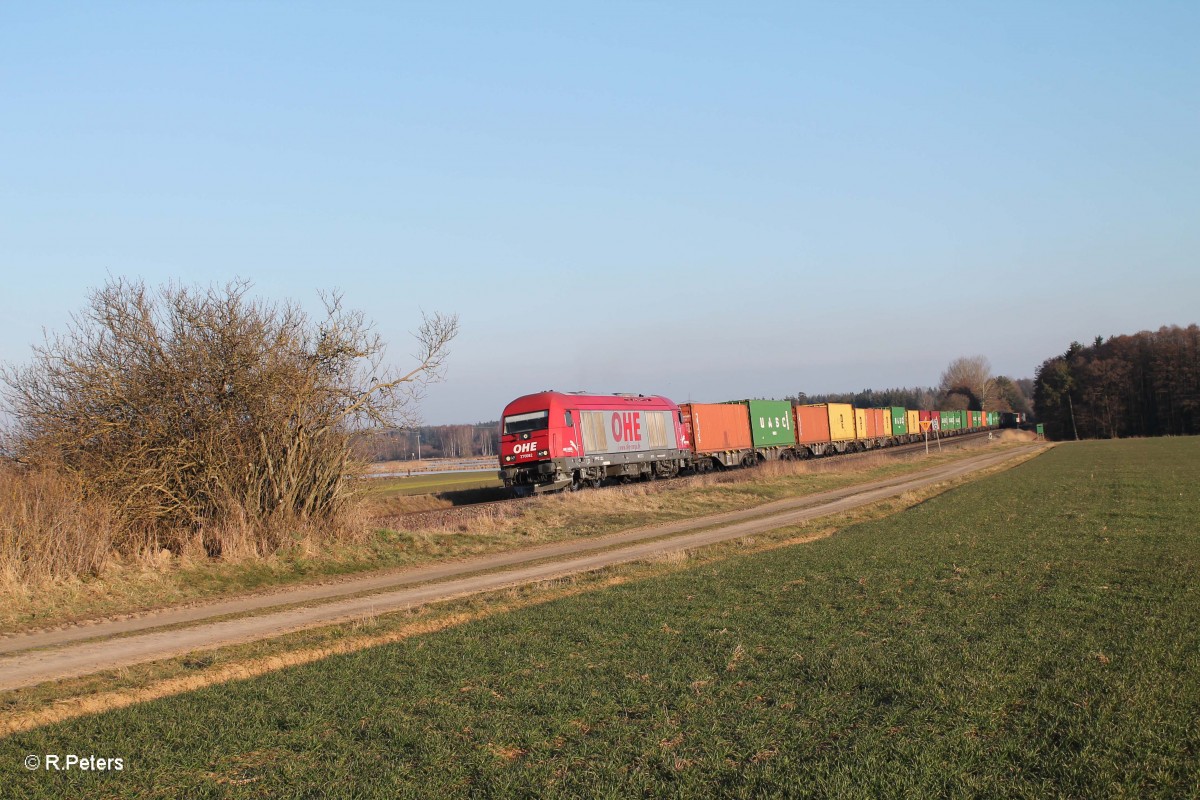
(21, 665)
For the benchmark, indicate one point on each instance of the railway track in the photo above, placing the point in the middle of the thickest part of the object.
(470, 510)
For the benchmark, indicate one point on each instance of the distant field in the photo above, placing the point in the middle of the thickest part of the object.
(431, 464)
(429, 484)
(1032, 634)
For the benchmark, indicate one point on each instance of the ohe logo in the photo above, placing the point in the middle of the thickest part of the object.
(525, 447)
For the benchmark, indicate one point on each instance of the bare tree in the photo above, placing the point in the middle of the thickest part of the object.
(188, 406)
(970, 378)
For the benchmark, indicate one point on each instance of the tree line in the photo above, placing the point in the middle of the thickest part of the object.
(966, 384)
(1144, 384)
(429, 441)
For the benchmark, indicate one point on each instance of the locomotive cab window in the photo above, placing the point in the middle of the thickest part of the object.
(525, 423)
(567, 419)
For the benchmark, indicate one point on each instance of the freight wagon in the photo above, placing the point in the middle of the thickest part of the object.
(870, 430)
(565, 440)
(824, 428)
(741, 433)
(771, 428)
(878, 427)
(720, 434)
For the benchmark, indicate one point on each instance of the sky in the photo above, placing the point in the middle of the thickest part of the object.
(708, 201)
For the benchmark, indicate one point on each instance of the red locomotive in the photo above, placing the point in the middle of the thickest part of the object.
(565, 440)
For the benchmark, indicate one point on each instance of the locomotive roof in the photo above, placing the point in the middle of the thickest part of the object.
(553, 401)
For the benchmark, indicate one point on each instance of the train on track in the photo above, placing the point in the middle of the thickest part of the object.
(551, 441)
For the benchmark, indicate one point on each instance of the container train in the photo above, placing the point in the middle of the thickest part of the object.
(551, 441)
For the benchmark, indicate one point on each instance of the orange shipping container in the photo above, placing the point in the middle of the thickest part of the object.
(717, 426)
(876, 421)
(839, 421)
(887, 420)
(812, 424)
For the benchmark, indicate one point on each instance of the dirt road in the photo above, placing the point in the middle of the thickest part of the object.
(34, 658)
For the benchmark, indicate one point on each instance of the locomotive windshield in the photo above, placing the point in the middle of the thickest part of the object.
(524, 423)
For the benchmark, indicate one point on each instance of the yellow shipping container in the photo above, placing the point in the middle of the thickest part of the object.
(887, 422)
(841, 422)
(914, 421)
(860, 424)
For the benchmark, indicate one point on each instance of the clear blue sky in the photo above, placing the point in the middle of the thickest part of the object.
(702, 200)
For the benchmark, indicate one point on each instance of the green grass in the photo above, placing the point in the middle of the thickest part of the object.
(432, 484)
(1033, 634)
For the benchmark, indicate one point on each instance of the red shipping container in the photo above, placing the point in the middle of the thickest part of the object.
(812, 424)
(717, 426)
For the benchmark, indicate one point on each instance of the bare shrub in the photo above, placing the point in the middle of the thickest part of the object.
(204, 413)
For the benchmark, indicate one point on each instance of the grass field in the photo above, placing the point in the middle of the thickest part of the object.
(395, 496)
(1032, 634)
(401, 541)
(432, 484)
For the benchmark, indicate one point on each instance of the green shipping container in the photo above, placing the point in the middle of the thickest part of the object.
(976, 419)
(994, 419)
(899, 421)
(946, 420)
(771, 423)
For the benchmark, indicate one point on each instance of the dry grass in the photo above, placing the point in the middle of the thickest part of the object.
(63, 551)
(1011, 435)
(49, 530)
(395, 505)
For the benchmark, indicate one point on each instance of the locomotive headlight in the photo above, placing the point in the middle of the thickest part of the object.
(510, 458)
(543, 453)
